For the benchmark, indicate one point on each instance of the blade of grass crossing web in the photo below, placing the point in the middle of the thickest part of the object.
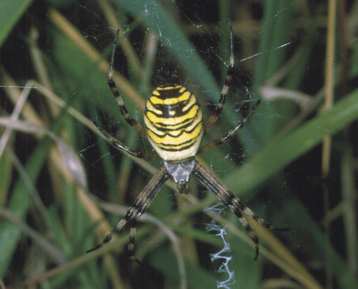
(158, 20)
(19, 204)
(274, 32)
(261, 130)
(280, 152)
(307, 226)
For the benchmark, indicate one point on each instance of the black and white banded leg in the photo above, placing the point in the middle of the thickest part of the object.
(217, 108)
(115, 91)
(117, 144)
(240, 124)
(133, 213)
(208, 180)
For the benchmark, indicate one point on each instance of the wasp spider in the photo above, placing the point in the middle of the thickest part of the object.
(174, 127)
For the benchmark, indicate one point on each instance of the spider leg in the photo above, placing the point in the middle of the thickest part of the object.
(208, 179)
(131, 243)
(227, 136)
(117, 144)
(216, 109)
(142, 202)
(116, 94)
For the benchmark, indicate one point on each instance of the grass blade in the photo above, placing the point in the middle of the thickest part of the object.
(10, 13)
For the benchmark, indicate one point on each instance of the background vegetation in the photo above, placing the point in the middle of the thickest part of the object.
(62, 185)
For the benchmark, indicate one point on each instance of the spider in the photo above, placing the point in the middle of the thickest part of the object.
(174, 127)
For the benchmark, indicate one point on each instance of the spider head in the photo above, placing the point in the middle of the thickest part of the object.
(181, 172)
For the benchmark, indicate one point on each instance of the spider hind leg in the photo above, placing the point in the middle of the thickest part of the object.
(142, 202)
(208, 179)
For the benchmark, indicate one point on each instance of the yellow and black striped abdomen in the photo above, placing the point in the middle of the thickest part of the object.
(173, 120)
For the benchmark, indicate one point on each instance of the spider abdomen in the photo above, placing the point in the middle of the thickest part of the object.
(173, 121)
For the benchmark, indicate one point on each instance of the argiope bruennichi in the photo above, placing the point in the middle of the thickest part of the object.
(174, 127)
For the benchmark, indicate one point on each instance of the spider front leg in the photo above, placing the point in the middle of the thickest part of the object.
(120, 102)
(117, 144)
(208, 179)
(216, 109)
(116, 94)
(226, 137)
(142, 202)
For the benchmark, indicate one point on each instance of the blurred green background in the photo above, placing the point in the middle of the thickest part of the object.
(62, 186)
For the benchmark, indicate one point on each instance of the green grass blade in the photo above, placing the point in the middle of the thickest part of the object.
(279, 153)
(19, 204)
(170, 34)
(10, 13)
(305, 225)
(5, 177)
